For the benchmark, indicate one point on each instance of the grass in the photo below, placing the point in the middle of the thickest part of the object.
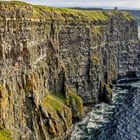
(60, 13)
(59, 96)
(54, 102)
(5, 134)
(60, 116)
(74, 100)
(70, 14)
(14, 2)
(58, 101)
(64, 14)
(127, 16)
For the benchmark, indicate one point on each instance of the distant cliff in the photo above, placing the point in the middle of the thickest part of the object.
(53, 60)
(136, 14)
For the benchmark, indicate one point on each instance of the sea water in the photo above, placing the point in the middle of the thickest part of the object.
(117, 121)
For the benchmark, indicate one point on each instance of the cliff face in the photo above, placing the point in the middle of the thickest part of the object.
(136, 14)
(53, 60)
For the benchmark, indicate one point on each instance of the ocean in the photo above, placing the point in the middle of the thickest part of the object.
(117, 121)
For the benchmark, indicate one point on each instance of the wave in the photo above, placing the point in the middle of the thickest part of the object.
(118, 121)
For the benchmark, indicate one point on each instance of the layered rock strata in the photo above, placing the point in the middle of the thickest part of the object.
(54, 60)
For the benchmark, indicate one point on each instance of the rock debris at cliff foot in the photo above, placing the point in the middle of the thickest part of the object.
(53, 60)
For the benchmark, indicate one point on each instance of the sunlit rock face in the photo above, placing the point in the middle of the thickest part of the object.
(49, 57)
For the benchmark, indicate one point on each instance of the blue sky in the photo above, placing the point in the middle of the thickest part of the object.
(132, 4)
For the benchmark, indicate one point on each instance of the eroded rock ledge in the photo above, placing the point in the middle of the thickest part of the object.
(54, 60)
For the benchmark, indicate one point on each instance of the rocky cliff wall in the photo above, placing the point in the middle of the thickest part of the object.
(54, 60)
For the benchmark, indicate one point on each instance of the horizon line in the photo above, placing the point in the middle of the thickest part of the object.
(78, 6)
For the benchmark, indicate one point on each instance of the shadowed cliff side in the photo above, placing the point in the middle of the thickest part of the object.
(53, 60)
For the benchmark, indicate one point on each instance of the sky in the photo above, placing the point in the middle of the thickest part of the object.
(125, 4)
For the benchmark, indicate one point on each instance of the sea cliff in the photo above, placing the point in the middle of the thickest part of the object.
(52, 61)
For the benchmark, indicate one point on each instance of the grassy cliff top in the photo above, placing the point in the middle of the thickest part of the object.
(5, 134)
(18, 9)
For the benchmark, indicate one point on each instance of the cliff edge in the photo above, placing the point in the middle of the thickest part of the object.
(53, 60)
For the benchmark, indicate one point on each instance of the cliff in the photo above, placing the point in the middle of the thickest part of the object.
(53, 60)
(136, 14)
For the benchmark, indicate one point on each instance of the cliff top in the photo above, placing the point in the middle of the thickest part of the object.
(23, 10)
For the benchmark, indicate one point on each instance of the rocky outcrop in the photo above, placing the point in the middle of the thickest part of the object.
(52, 60)
(135, 13)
